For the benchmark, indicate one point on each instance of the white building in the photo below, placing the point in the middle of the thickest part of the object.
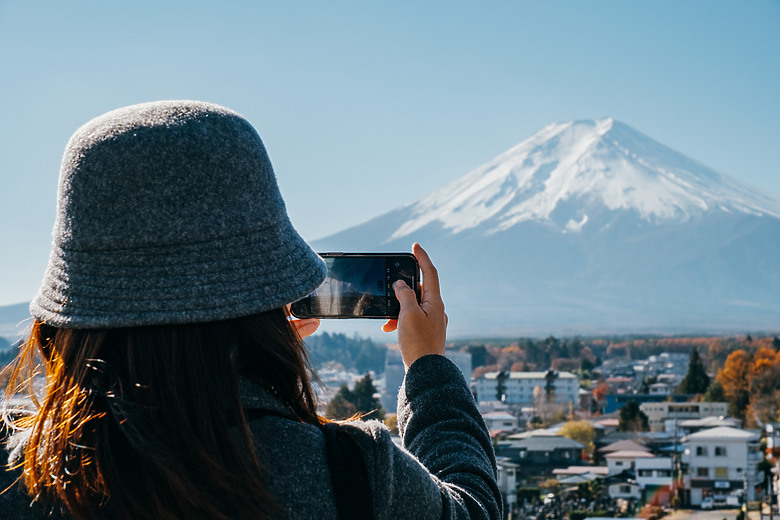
(500, 421)
(658, 413)
(619, 461)
(507, 481)
(394, 376)
(527, 387)
(721, 461)
(654, 476)
(462, 360)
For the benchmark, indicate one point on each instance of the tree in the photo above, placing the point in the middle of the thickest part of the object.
(714, 393)
(360, 400)
(365, 399)
(479, 355)
(632, 419)
(736, 385)
(696, 380)
(582, 432)
(501, 385)
(341, 405)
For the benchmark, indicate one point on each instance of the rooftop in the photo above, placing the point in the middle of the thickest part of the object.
(629, 454)
(623, 446)
(578, 470)
(530, 375)
(546, 443)
(723, 433)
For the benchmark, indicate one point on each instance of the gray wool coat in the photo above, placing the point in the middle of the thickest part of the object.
(446, 469)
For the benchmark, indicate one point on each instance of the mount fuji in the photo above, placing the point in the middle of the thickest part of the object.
(592, 227)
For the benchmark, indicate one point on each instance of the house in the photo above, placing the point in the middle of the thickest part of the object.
(500, 421)
(721, 461)
(539, 455)
(622, 486)
(660, 389)
(654, 475)
(619, 461)
(620, 445)
(574, 475)
(623, 445)
(507, 481)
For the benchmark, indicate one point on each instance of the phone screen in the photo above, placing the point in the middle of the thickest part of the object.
(359, 285)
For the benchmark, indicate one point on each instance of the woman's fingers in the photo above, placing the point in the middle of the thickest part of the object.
(430, 275)
(306, 327)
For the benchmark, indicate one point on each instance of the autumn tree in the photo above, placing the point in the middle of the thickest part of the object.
(734, 379)
(600, 394)
(696, 380)
(582, 432)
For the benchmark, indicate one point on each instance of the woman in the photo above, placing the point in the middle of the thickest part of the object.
(175, 384)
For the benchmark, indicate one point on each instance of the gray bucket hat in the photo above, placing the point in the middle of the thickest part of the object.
(169, 212)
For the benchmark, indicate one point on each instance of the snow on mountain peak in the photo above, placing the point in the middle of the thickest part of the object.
(589, 166)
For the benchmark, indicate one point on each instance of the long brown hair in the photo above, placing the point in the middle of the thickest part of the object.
(146, 422)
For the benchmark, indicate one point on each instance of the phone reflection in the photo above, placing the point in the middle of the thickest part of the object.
(353, 287)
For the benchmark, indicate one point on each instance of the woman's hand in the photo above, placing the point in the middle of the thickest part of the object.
(422, 328)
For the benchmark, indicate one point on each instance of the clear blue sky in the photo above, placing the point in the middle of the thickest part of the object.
(365, 106)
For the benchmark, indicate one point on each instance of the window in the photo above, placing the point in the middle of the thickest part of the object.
(721, 472)
(703, 472)
(618, 463)
(645, 473)
(664, 473)
(625, 489)
(720, 451)
(701, 451)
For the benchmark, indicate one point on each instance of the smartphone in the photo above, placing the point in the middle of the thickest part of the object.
(360, 285)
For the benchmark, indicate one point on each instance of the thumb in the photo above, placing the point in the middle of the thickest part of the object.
(405, 294)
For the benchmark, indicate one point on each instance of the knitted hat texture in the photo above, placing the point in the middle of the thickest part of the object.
(169, 212)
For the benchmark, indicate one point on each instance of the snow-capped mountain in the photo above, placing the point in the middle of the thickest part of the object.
(593, 164)
(593, 226)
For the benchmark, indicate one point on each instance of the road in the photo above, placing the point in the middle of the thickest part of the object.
(715, 514)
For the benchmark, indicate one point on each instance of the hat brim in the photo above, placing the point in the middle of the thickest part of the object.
(216, 279)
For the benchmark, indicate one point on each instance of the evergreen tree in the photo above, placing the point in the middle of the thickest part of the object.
(365, 399)
(714, 393)
(341, 405)
(501, 385)
(696, 380)
(632, 419)
(361, 400)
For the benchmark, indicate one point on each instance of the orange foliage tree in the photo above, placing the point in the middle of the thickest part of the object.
(734, 379)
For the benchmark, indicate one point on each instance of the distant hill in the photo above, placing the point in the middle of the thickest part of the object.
(13, 321)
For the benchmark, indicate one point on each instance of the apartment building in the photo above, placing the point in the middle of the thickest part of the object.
(659, 413)
(721, 461)
(529, 387)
